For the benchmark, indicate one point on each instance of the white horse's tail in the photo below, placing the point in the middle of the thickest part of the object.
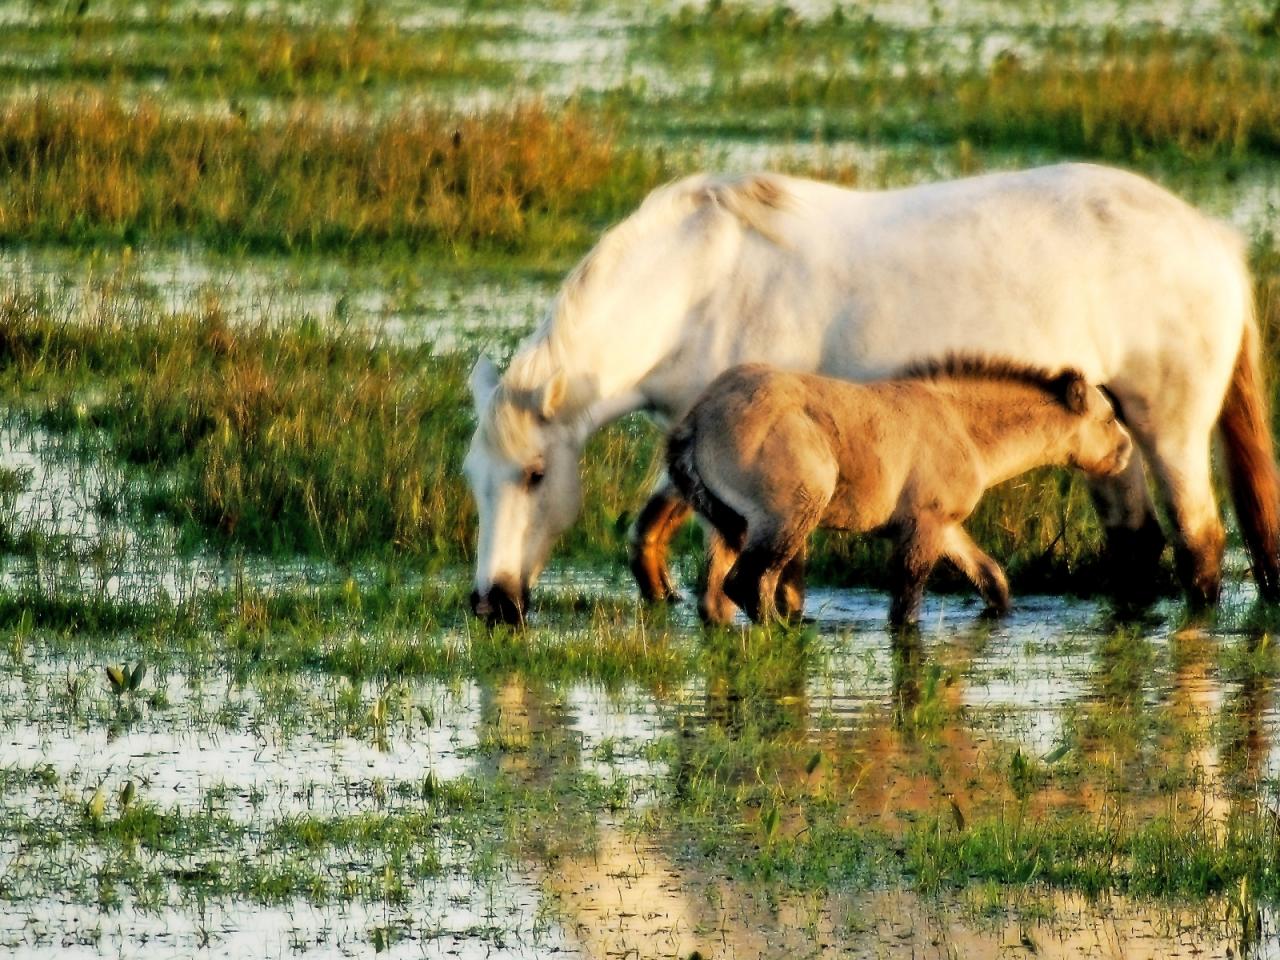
(1245, 424)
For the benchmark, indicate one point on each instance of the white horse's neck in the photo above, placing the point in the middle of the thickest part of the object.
(624, 311)
(592, 399)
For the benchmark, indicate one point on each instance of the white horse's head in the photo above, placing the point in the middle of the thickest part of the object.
(523, 470)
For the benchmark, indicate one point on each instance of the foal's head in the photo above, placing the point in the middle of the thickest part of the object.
(1097, 442)
(1093, 439)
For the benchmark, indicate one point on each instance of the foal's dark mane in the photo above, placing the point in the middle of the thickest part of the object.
(959, 366)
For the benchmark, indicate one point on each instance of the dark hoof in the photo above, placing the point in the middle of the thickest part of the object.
(499, 607)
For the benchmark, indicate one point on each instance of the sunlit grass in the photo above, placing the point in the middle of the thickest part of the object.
(292, 436)
(236, 54)
(92, 167)
(1078, 90)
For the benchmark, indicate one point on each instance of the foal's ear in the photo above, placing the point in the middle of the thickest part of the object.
(551, 395)
(1073, 390)
(484, 378)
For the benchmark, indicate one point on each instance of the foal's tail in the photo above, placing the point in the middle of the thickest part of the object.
(1246, 440)
(682, 468)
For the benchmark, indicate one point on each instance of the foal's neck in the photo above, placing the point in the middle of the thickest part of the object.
(1014, 427)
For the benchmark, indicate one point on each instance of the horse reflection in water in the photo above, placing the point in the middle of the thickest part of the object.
(918, 746)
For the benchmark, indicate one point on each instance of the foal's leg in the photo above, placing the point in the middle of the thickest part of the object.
(752, 583)
(790, 593)
(657, 523)
(767, 579)
(983, 572)
(788, 508)
(714, 606)
(914, 556)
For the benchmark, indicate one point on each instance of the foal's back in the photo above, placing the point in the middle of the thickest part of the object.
(769, 434)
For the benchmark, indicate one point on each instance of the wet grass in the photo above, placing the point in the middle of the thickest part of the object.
(151, 857)
(763, 790)
(1082, 91)
(755, 783)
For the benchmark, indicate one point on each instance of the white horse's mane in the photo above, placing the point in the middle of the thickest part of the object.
(752, 199)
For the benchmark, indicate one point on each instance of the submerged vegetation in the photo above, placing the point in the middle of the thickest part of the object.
(237, 665)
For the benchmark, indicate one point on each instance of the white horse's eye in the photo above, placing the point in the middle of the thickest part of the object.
(533, 476)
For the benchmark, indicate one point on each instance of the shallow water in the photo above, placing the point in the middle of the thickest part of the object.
(275, 748)
(899, 732)
(912, 729)
(409, 302)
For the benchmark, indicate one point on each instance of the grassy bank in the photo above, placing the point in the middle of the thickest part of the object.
(1085, 91)
(200, 55)
(93, 168)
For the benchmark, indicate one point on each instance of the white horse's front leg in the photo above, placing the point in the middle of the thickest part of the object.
(651, 535)
(1135, 539)
(1183, 469)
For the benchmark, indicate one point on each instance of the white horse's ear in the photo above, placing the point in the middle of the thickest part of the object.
(484, 378)
(551, 396)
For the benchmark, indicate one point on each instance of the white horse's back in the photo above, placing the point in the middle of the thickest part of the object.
(1073, 264)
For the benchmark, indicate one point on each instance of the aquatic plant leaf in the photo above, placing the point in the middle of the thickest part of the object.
(119, 683)
(1057, 753)
(97, 805)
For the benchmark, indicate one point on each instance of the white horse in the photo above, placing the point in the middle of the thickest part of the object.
(1070, 265)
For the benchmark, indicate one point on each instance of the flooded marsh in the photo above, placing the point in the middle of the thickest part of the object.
(250, 253)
